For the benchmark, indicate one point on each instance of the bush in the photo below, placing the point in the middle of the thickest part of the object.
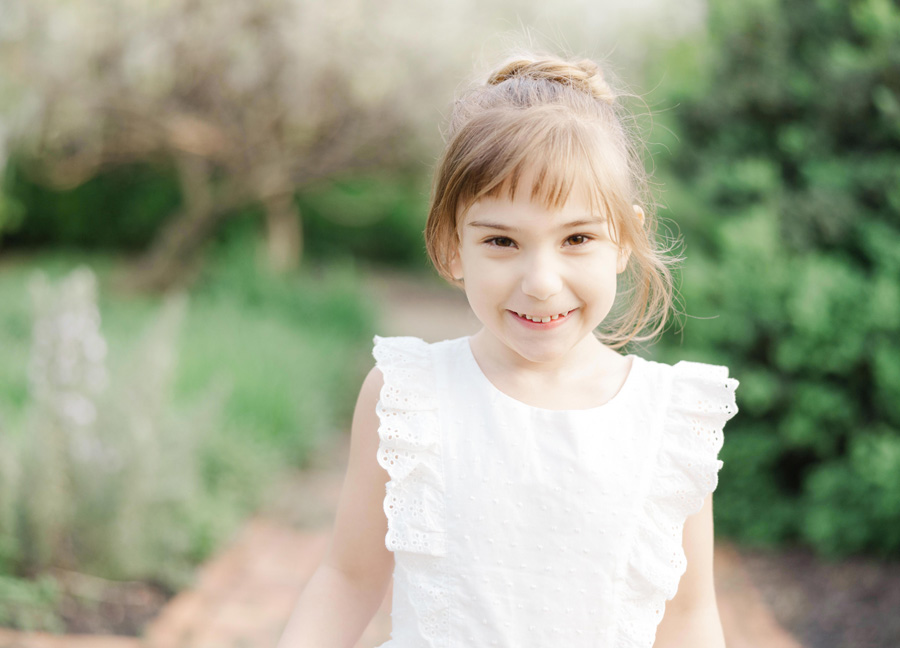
(785, 184)
(853, 506)
(137, 463)
(373, 216)
(141, 196)
(290, 350)
(29, 605)
(377, 217)
(107, 475)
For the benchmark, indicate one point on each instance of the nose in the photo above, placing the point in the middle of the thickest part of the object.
(541, 278)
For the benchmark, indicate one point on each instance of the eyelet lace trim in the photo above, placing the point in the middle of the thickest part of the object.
(409, 446)
(409, 449)
(701, 401)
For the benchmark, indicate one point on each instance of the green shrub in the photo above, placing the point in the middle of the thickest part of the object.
(288, 349)
(109, 474)
(119, 209)
(853, 506)
(784, 181)
(377, 216)
(138, 462)
(29, 605)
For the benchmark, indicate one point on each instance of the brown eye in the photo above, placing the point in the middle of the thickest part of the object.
(577, 239)
(501, 241)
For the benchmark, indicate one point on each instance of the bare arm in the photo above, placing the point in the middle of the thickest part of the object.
(691, 619)
(347, 588)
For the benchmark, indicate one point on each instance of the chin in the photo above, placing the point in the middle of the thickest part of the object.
(541, 352)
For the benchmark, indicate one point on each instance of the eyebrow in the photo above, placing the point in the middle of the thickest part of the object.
(506, 228)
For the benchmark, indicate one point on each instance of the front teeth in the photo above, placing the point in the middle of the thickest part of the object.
(543, 320)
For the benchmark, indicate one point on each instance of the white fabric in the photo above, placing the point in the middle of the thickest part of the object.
(520, 527)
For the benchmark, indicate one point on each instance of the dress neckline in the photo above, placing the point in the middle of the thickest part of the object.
(627, 386)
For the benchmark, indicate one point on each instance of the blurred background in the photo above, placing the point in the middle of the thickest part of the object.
(208, 207)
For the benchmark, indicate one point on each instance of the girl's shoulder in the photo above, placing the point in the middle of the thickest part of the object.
(409, 447)
(413, 353)
(692, 401)
(690, 395)
(691, 385)
(387, 350)
(392, 347)
(406, 364)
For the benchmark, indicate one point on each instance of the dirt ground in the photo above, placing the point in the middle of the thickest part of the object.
(850, 604)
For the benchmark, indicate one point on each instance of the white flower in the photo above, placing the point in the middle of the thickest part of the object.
(77, 409)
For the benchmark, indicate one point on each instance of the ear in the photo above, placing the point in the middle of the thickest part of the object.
(639, 212)
(625, 250)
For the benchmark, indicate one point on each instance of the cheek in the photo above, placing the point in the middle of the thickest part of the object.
(486, 285)
(600, 277)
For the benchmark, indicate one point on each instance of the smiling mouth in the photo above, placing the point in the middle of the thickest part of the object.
(542, 319)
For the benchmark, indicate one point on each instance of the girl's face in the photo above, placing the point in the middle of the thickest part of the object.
(540, 281)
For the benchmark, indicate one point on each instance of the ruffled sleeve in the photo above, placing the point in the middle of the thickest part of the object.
(409, 446)
(700, 401)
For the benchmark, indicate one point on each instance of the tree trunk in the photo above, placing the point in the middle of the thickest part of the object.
(176, 251)
(284, 233)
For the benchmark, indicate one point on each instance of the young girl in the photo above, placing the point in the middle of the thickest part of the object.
(542, 489)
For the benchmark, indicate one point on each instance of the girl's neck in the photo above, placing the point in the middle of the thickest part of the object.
(587, 376)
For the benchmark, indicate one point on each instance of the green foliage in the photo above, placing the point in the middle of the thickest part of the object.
(11, 212)
(119, 209)
(786, 185)
(375, 216)
(202, 407)
(29, 605)
(108, 477)
(379, 217)
(853, 505)
(313, 327)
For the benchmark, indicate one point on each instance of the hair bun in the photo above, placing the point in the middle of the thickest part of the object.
(584, 75)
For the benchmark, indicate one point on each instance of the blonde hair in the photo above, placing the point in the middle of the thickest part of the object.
(561, 122)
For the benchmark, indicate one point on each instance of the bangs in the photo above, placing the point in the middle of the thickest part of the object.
(546, 153)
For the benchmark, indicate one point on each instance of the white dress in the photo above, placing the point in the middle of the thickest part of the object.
(521, 527)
